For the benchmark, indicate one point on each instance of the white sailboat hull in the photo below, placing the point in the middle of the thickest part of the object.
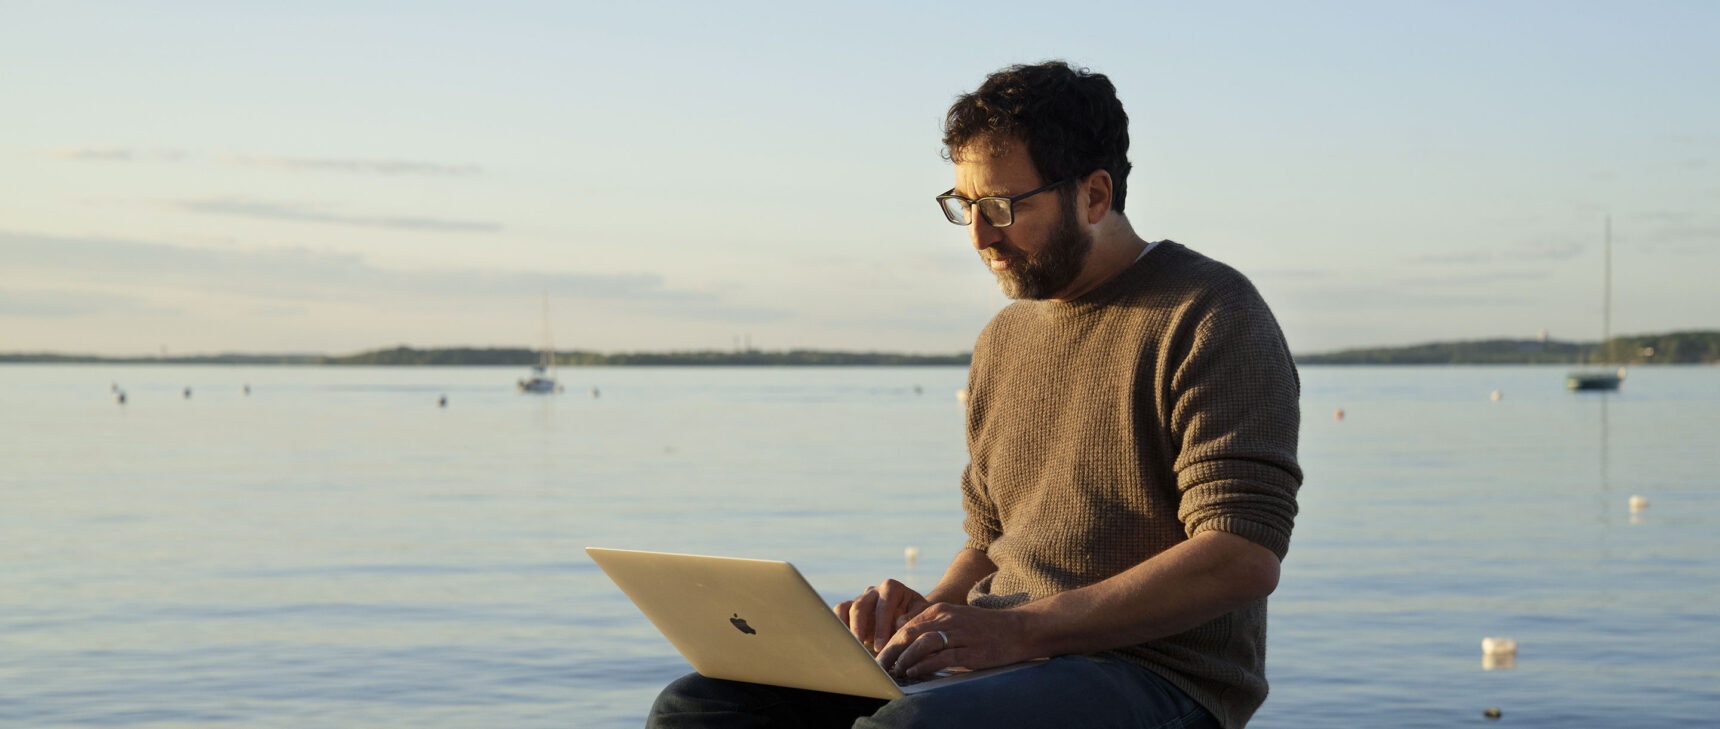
(541, 385)
(542, 381)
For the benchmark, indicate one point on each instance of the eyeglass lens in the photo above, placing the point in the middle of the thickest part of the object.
(996, 210)
(955, 210)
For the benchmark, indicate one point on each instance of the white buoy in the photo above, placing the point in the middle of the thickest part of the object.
(1498, 653)
(1497, 396)
(962, 396)
(912, 555)
(1637, 503)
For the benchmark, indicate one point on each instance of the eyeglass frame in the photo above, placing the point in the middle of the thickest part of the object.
(1009, 203)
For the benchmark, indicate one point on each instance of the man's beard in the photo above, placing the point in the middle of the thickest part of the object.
(1048, 272)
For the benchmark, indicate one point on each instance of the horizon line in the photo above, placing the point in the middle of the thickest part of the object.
(752, 350)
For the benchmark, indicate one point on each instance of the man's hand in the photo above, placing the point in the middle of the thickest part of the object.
(947, 635)
(877, 613)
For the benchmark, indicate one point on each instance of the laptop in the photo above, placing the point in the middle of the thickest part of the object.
(757, 621)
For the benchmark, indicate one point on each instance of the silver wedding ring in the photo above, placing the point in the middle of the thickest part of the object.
(946, 638)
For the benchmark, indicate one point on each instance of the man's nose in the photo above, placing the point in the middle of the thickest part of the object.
(983, 233)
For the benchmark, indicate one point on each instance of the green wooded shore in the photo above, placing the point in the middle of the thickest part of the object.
(1689, 347)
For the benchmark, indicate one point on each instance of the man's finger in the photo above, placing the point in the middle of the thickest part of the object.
(860, 615)
(913, 653)
(890, 603)
(892, 652)
(933, 662)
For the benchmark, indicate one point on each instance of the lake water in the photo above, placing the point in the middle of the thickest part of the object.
(335, 550)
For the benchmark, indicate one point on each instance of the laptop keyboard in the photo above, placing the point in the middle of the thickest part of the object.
(946, 673)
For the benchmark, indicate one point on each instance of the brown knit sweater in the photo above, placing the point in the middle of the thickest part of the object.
(1105, 430)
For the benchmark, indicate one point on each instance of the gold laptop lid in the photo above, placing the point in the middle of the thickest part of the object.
(746, 620)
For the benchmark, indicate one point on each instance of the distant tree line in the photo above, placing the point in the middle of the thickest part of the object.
(1671, 348)
(400, 356)
(521, 357)
(201, 359)
(407, 356)
(1693, 347)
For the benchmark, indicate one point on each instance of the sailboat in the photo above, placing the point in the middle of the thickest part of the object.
(542, 380)
(1602, 380)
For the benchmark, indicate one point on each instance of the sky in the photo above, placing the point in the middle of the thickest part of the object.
(333, 177)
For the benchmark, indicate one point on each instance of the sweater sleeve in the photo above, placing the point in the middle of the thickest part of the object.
(981, 522)
(1234, 420)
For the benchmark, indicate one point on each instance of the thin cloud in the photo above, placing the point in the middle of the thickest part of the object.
(1473, 279)
(353, 165)
(1473, 256)
(1290, 274)
(312, 214)
(1678, 232)
(295, 276)
(1539, 250)
(57, 304)
(1545, 250)
(1397, 298)
(361, 166)
(279, 311)
(119, 154)
(1665, 217)
(1680, 239)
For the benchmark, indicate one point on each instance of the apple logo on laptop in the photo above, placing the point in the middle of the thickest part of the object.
(741, 625)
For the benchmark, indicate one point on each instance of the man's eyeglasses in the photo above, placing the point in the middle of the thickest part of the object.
(998, 211)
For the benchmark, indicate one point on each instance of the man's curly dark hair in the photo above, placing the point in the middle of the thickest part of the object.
(1070, 119)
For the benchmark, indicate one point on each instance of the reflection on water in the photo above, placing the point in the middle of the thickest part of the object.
(1497, 661)
(1604, 497)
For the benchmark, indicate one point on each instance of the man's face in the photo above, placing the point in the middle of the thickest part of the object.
(1041, 254)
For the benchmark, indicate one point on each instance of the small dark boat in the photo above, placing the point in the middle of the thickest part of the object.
(1601, 380)
(1594, 380)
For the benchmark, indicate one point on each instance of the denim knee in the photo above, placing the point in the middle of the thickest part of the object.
(929, 709)
(695, 695)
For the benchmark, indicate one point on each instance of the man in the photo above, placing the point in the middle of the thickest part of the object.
(1132, 479)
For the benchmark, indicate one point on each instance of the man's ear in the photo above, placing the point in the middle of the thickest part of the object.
(1096, 196)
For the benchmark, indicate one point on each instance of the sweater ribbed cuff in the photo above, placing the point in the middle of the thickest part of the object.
(1265, 535)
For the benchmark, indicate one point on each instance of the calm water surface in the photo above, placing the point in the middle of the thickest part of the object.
(335, 550)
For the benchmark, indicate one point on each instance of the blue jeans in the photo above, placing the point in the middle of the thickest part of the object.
(1081, 691)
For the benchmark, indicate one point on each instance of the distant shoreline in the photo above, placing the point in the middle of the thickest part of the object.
(1687, 347)
(520, 357)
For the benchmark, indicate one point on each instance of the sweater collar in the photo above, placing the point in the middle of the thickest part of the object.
(1108, 291)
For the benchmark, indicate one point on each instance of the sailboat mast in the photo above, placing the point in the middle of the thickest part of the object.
(1606, 296)
(546, 358)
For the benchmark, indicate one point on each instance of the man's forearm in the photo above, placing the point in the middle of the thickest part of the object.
(968, 568)
(1180, 588)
